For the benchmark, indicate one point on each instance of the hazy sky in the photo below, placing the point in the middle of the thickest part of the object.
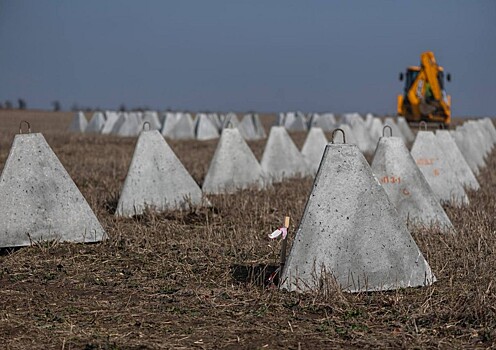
(243, 55)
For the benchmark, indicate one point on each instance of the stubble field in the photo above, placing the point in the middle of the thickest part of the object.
(184, 280)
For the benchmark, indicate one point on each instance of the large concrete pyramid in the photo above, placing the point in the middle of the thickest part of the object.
(127, 125)
(314, 147)
(182, 128)
(79, 123)
(375, 130)
(156, 179)
(281, 158)
(251, 128)
(324, 121)
(467, 146)
(363, 139)
(456, 160)
(352, 231)
(39, 200)
(96, 123)
(233, 166)
(436, 169)
(205, 128)
(112, 118)
(405, 185)
(405, 129)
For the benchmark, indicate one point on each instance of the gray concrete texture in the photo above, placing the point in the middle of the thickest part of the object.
(405, 129)
(156, 179)
(151, 117)
(406, 186)
(205, 129)
(110, 121)
(293, 121)
(375, 130)
(96, 123)
(251, 127)
(281, 158)
(351, 231)
(363, 139)
(436, 169)
(456, 160)
(179, 127)
(314, 147)
(467, 146)
(324, 121)
(40, 202)
(234, 166)
(126, 125)
(78, 123)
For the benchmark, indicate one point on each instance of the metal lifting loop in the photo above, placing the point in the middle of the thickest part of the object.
(424, 124)
(384, 131)
(27, 123)
(334, 133)
(144, 124)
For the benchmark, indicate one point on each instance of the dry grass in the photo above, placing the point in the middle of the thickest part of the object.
(175, 280)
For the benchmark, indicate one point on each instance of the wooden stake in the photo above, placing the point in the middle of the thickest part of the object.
(284, 245)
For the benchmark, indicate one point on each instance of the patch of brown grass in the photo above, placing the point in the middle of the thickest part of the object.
(168, 280)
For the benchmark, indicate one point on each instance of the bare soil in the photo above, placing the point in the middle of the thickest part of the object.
(197, 279)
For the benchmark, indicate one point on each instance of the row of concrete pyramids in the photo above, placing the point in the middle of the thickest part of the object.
(353, 229)
(173, 125)
(364, 133)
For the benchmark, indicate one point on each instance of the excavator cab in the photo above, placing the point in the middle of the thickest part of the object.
(424, 97)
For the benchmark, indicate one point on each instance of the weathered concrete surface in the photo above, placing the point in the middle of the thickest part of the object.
(325, 121)
(156, 179)
(110, 121)
(96, 123)
(151, 117)
(369, 117)
(395, 129)
(40, 202)
(230, 120)
(456, 160)
(127, 125)
(251, 128)
(375, 131)
(352, 231)
(314, 147)
(281, 158)
(293, 121)
(183, 128)
(478, 138)
(465, 142)
(170, 119)
(78, 123)
(405, 129)
(363, 139)
(436, 169)
(490, 126)
(233, 166)
(205, 129)
(405, 185)
(347, 118)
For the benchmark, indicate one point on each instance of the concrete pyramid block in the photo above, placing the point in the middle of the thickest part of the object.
(151, 117)
(156, 179)
(110, 121)
(170, 119)
(79, 123)
(40, 202)
(205, 129)
(375, 130)
(369, 117)
(406, 186)
(467, 146)
(314, 147)
(456, 160)
(251, 128)
(352, 231)
(281, 158)
(230, 120)
(295, 121)
(347, 118)
(492, 129)
(324, 121)
(182, 129)
(363, 139)
(405, 129)
(127, 125)
(96, 123)
(436, 169)
(395, 129)
(233, 166)
(215, 119)
(479, 138)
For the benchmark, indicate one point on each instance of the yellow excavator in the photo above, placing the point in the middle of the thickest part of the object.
(424, 97)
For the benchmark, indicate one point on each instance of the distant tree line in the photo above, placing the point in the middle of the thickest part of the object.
(57, 106)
